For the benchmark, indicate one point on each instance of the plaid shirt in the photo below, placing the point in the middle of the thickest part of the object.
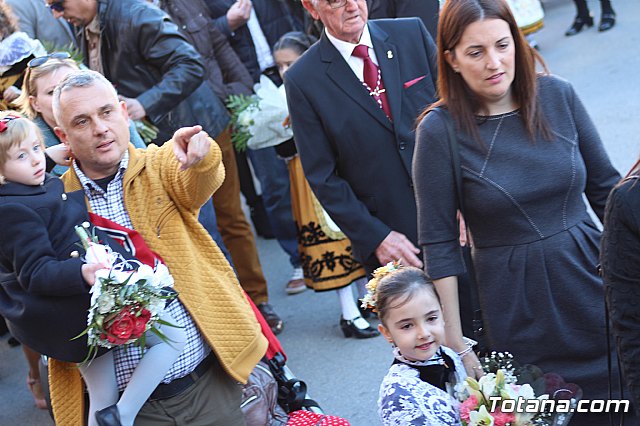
(110, 205)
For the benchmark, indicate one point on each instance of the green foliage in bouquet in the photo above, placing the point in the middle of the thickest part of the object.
(241, 107)
(147, 131)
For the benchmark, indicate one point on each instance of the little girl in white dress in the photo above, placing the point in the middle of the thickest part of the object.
(418, 389)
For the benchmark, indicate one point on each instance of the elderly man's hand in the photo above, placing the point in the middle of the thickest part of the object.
(190, 145)
(396, 246)
(238, 14)
(134, 108)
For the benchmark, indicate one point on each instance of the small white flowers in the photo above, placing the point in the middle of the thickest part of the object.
(105, 303)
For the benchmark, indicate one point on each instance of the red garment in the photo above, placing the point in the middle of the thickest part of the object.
(309, 418)
(373, 78)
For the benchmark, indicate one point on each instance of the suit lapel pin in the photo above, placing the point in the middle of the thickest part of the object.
(389, 54)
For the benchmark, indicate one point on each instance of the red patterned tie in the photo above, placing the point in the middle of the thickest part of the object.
(373, 78)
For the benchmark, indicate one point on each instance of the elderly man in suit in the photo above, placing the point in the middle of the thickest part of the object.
(354, 97)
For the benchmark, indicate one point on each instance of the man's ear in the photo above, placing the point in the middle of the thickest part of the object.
(123, 107)
(62, 135)
(311, 9)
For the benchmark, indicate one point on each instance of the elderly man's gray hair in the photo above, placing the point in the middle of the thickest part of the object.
(82, 78)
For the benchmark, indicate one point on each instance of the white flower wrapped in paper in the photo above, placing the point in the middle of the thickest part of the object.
(268, 122)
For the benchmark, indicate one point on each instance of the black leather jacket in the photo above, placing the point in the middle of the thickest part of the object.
(146, 57)
(620, 260)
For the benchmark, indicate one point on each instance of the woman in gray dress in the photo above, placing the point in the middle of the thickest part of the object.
(528, 153)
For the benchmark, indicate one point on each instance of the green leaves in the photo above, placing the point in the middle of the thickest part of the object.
(237, 105)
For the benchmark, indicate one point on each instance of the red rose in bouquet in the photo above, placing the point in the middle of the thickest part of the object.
(141, 321)
(121, 328)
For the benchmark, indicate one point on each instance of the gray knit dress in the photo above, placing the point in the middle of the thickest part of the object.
(535, 246)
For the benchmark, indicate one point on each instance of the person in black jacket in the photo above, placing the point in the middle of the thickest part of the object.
(154, 68)
(252, 28)
(426, 10)
(620, 260)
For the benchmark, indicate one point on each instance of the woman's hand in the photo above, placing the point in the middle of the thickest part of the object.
(472, 365)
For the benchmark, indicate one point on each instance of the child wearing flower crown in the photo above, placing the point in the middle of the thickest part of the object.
(45, 284)
(418, 389)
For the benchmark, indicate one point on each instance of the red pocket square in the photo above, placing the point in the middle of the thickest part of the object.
(412, 82)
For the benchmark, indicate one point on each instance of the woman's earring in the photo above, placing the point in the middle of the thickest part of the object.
(2, 180)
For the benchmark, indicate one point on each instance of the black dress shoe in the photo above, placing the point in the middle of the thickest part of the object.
(109, 416)
(607, 21)
(349, 329)
(275, 322)
(578, 24)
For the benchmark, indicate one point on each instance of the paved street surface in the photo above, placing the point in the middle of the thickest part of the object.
(343, 375)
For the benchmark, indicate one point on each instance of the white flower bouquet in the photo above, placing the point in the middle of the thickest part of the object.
(508, 395)
(260, 120)
(126, 298)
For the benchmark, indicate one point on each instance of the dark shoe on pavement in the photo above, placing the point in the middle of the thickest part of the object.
(296, 283)
(109, 416)
(607, 21)
(578, 24)
(274, 321)
(350, 329)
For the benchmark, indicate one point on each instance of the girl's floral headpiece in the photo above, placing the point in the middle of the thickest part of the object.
(369, 300)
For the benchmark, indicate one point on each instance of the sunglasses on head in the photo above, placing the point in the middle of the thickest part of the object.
(36, 62)
(57, 6)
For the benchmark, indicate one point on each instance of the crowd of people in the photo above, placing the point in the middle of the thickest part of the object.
(412, 137)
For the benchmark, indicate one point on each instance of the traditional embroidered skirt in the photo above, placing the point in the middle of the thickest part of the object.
(325, 251)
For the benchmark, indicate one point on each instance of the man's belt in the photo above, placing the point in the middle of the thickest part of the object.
(177, 386)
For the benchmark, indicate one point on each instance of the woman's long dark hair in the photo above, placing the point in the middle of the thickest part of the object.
(455, 94)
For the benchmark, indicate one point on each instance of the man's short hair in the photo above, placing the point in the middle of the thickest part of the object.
(82, 78)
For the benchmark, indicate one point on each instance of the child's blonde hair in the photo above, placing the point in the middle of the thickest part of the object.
(14, 128)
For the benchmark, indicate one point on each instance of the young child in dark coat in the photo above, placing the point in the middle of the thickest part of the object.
(45, 284)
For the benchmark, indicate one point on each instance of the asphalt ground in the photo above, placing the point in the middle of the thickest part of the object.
(344, 375)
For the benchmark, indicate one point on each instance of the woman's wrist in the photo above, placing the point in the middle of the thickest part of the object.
(466, 347)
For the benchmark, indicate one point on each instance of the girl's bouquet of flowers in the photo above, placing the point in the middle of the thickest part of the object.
(510, 395)
(126, 298)
(260, 120)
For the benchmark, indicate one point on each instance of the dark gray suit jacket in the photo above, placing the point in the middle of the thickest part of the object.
(356, 160)
(427, 10)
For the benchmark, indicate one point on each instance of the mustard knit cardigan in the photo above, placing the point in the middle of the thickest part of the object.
(163, 203)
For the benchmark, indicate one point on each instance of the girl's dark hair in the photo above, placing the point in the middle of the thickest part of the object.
(400, 284)
(296, 41)
(455, 94)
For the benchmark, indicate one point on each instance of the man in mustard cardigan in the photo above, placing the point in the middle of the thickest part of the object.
(158, 192)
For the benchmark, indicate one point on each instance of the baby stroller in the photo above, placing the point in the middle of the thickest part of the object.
(273, 394)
